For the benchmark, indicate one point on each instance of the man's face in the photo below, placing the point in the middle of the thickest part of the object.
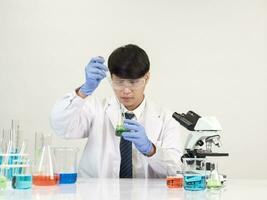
(130, 92)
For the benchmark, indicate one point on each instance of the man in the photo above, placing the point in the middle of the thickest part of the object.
(152, 143)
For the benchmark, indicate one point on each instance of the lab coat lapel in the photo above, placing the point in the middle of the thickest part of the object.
(112, 110)
(152, 122)
(152, 118)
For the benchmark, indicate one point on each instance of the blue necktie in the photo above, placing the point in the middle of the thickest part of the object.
(126, 167)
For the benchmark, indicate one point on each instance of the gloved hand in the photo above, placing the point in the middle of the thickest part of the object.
(137, 135)
(95, 71)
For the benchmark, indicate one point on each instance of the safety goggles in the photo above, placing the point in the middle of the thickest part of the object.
(132, 84)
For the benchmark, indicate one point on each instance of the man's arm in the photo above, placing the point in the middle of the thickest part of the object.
(80, 94)
(153, 151)
(71, 116)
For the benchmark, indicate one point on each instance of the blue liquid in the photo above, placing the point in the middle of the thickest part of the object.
(9, 171)
(22, 182)
(67, 178)
(194, 182)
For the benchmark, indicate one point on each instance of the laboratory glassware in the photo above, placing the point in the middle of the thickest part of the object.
(66, 158)
(3, 181)
(5, 148)
(15, 135)
(10, 148)
(120, 127)
(22, 176)
(38, 146)
(44, 172)
(4, 143)
(194, 174)
(214, 180)
(174, 177)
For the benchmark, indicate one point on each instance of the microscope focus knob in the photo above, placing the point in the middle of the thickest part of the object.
(200, 143)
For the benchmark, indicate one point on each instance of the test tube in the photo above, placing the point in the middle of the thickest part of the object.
(15, 136)
(5, 171)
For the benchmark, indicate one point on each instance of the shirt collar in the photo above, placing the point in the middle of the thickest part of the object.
(138, 111)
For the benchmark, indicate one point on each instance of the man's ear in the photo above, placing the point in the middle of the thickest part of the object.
(147, 77)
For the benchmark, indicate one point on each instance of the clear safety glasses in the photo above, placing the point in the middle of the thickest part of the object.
(132, 84)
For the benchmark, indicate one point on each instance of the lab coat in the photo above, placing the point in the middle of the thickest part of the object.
(95, 119)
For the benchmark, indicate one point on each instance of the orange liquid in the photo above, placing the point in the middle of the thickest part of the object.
(174, 182)
(45, 180)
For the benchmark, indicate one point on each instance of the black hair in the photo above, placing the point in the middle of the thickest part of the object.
(129, 62)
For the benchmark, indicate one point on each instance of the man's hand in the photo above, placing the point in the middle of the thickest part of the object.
(137, 135)
(95, 71)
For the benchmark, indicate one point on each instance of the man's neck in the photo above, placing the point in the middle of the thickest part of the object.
(131, 108)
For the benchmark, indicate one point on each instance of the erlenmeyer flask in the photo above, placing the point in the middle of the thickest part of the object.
(214, 182)
(44, 174)
(120, 127)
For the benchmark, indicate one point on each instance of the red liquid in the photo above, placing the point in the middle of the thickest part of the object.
(174, 182)
(45, 180)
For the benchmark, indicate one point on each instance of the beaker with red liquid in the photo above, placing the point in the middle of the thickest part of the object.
(174, 177)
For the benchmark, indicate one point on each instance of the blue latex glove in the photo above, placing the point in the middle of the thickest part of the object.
(95, 71)
(137, 135)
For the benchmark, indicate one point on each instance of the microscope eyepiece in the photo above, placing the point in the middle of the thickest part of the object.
(187, 120)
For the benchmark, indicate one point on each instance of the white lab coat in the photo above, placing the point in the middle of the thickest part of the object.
(74, 117)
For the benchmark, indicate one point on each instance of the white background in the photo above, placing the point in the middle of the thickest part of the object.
(206, 55)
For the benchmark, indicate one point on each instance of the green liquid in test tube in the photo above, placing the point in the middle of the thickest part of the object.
(3, 182)
(120, 128)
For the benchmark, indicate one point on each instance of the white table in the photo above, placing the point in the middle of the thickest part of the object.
(135, 189)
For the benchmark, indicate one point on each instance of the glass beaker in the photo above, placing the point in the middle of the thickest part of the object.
(22, 177)
(44, 173)
(120, 127)
(66, 158)
(194, 174)
(174, 177)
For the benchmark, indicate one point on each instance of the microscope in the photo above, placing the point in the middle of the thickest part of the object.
(205, 134)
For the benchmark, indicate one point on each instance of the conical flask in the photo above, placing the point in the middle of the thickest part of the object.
(44, 173)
